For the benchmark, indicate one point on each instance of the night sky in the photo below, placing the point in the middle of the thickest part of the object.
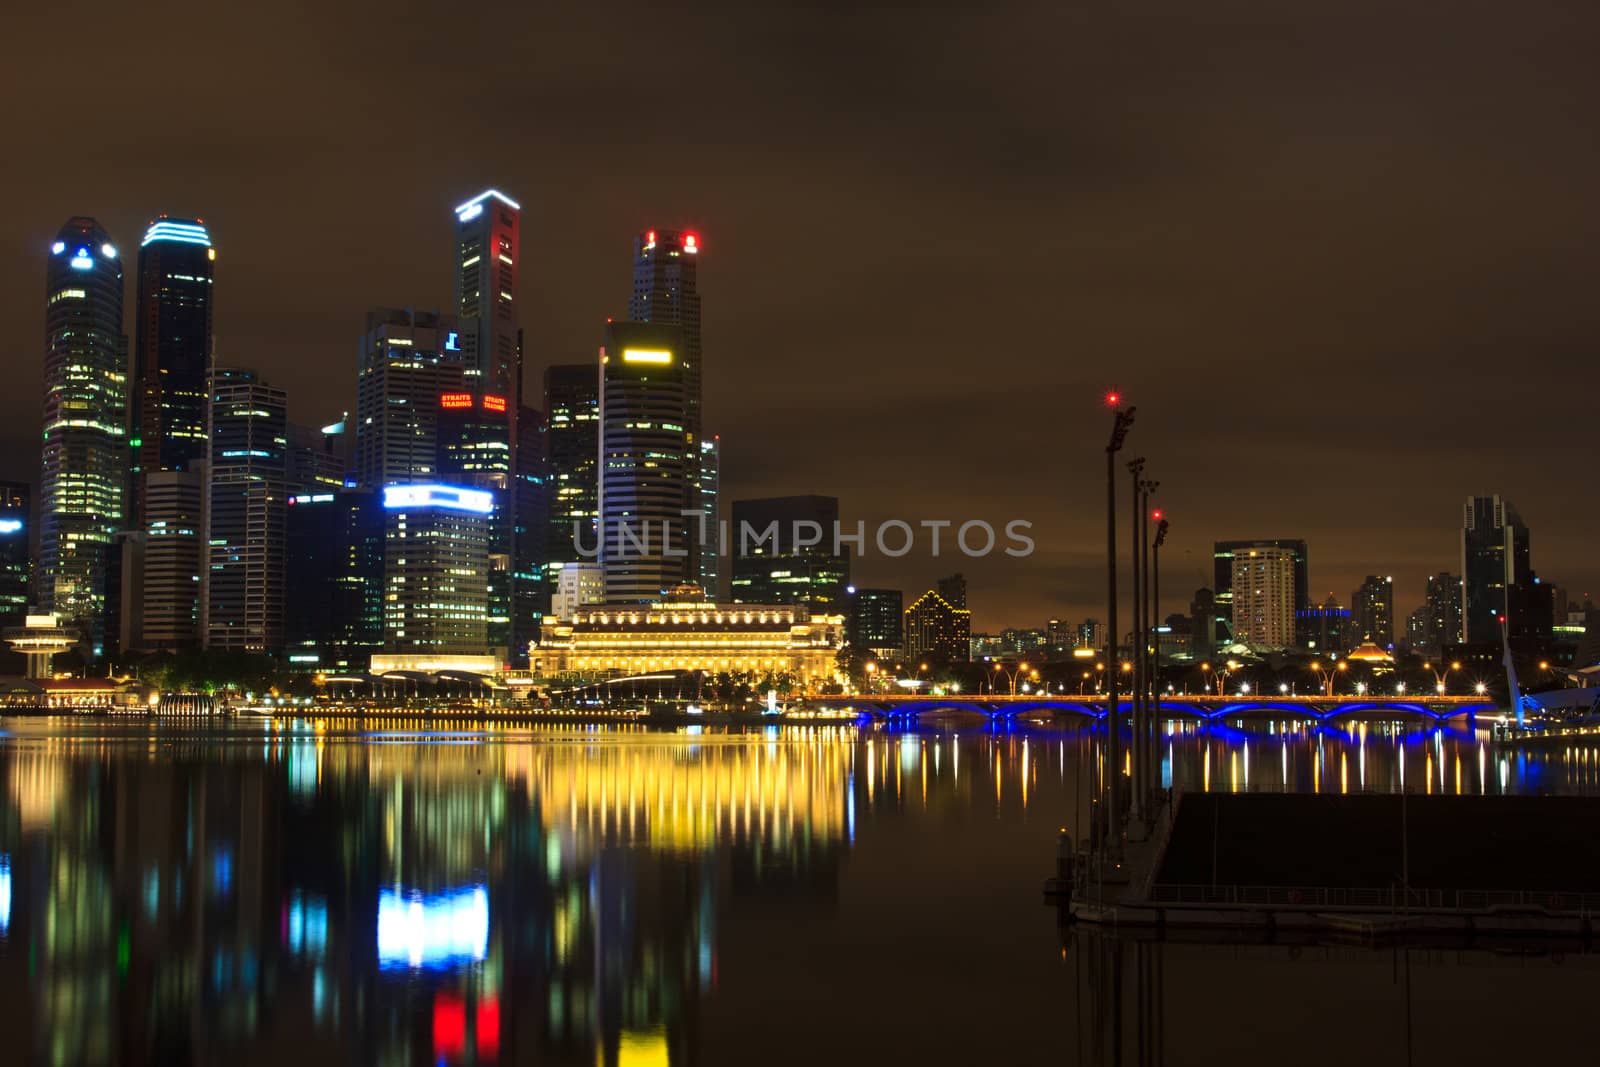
(1342, 254)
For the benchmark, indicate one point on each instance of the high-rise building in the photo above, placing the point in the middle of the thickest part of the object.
(1326, 630)
(875, 620)
(1262, 589)
(164, 614)
(1441, 612)
(666, 292)
(474, 450)
(16, 562)
(1092, 634)
(708, 479)
(572, 406)
(934, 626)
(487, 246)
(1372, 611)
(1496, 571)
(1060, 636)
(436, 561)
(242, 594)
(83, 463)
(411, 364)
(334, 566)
(783, 553)
(1222, 568)
(1204, 619)
(578, 585)
(954, 589)
(172, 351)
(318, 461)
(530, 510)
(646, 463)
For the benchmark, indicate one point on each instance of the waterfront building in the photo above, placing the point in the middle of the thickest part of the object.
(1223, 554)
(16, 561)
(1372, 611)
(876, 620)
(410, 360)
(83, 461)
(934, 626)
(572, 408)
(647, 465)
(1326, 630)
(242, 589)
(1262, 591)
(333, 619)
(1497, 577)
(436, 561)
(783, 553)
(172, 352)
(780, 640)
(578, 585)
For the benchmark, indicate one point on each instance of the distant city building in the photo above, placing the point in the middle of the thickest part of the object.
(953, 589)
(1204, 620)
(934, 626)
(172, 352)
(16, 562)
(1262, 590)
(1497, 577)
(436, 561)
(1326, 630)
(1092, 634)
(317, 460)
(783, 553)
(760, 640)
(647, 467)
(1372, 610)
(1222, 567)
(410, 362)
(1060, 636)
(486, 255)
(1015, 641)
(242, 589)
(875, 620)
(578, 585)
(530, 511)
(333, 619)
(84, 459)
(572, 406)
(164, 568)
(1441, 613)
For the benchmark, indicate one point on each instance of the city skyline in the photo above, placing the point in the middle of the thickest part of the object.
(1381, 423)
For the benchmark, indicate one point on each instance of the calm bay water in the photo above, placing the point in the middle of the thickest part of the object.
(410, 893)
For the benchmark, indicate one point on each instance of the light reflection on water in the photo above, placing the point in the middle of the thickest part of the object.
(611, 895)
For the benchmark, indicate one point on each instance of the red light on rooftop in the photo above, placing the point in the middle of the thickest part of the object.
(691, 243)
(1156, 514)
(650, 238)
(1113, 399)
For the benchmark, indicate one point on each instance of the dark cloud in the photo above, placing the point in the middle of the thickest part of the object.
(1340, 254)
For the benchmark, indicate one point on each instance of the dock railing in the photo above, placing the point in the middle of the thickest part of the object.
(1393, 899)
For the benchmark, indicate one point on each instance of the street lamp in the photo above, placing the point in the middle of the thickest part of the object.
(1440, 674)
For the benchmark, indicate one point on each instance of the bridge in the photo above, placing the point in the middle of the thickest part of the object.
(897, 708)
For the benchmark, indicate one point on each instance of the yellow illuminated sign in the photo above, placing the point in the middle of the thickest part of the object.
(646, 355)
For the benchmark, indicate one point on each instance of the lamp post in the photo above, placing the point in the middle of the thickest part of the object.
(1155, 614)
(1136, 762)
(1122, 421)
(1440, 674)
(1326, 677)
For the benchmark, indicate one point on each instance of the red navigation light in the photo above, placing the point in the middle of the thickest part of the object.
(691, 243)
(455, 401)
(1113, 399)
(1156, 514)
(494, 403)
(650, 238)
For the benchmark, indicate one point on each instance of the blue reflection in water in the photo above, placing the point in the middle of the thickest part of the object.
(436, 931)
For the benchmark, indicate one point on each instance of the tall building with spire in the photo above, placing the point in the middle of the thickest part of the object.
(172, 351)
(83, 462)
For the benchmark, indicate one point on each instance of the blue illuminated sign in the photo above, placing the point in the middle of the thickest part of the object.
(452, 341)
(81, 260)
(188, 233)
(454, 497)
(10, 526)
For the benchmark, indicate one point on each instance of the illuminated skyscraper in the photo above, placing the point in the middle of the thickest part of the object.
(708, 478)
(486, 291)
(83, 469)
(172, 351)
(436, 561)
(334, 565)
(646, 463)
(1223, 556)
(1263, 591)
(936, 627)
(876, 619)
(1372, 610)
(410, 360)
(474, 451)
(16, 564)
(572, 404)
(1497, 575)
(797, 563)
(242, 595)
(161, 609)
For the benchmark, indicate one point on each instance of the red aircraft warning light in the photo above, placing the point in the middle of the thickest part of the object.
(1113, 398)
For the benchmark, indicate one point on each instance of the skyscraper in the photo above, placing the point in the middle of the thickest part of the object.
(242, 595)
(708, 480)
(486, 292)
(175, 557)
(334, 566)
(875, 620)
(410, 362)
(936, 627)
(1441, 612)
(172, 351)
(1373, 610)
(474, 451)
(1263, 594)
(530, 509)
(783, 553)
(646, 463)
(436, 561)
(1326, 630)
(1222, 574)
(666, 269)
(16, 563)
(572, 405)
(1496, 569)
(83, 468)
